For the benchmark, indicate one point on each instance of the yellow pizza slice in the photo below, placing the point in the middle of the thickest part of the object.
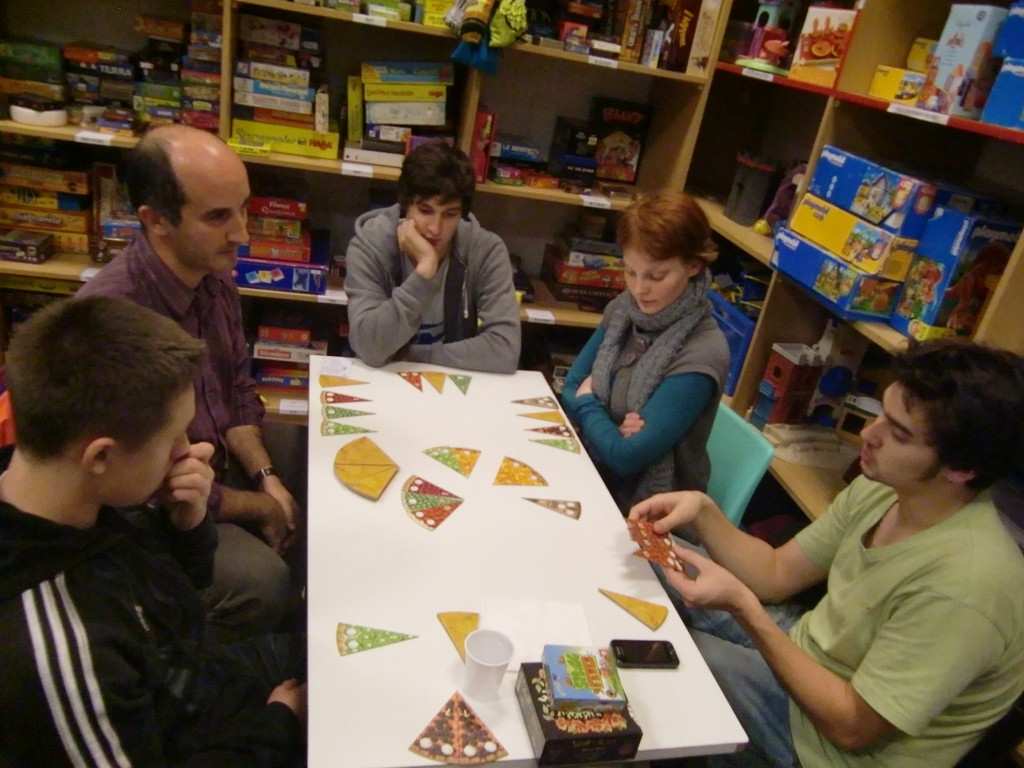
(458, 624)
(338, 381)
(554, 416)
(364, 468)
(435, 379)
(462, 460)
(512, 472)
(651, 614)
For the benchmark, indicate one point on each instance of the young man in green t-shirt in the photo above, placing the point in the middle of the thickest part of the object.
(918, 645)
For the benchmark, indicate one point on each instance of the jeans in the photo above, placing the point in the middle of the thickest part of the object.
(760, 702)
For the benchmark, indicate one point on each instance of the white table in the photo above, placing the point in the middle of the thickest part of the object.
(370, 564)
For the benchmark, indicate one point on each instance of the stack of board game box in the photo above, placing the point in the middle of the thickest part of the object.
(284, 341)
(392, 106)
(200, 67)
(282, 254)
(584, 265)
(281, 101)
(574, 707)
(43, 210)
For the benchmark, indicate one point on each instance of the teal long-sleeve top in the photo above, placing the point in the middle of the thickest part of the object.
(668, 415)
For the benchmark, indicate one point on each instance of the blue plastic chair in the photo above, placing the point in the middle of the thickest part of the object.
(740, 456)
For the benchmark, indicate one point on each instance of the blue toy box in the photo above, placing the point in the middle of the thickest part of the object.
(959, 259)
(738, 330)
(897, 202)
(1005, 105)
(297, 277)
(1010, 41)
(849, 292)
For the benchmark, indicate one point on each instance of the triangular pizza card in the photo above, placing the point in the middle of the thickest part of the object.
(562, 444)
(352, 638)
(456, 735)
(656, 547)
(435, 379)
(337, 412)
(426, 503)
(336, 398)
(512, 472)
(571, 509)
(554, 416)
(364, 468)
(558, 431)
(651, 614)
(331, 428)
(458, 625)
(327, 380)
(539, 402)
(413, 378)
(462, 460)
(461, 381)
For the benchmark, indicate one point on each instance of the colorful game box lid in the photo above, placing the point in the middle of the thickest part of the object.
(583, 677)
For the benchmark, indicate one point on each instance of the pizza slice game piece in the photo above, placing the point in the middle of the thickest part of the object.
(539, 402)
(458, 625)
(413, 378)
(336, 398)
(353, 638)
(512, 472)
(571, 509)
(462, 460)
(364, 468)
(426, 503)
(461, 381)
(338, 381)
(651, 614)
(656, 547)
(562, 444)
(337, 412)
(332, 428)
(558, 431)
(554, 416)
(435, 379)
(457, 736)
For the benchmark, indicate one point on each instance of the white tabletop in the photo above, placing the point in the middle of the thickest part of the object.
(370, 564)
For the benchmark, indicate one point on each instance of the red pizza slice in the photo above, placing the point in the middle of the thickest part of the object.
(413, 378)
(656, 547)
(456, 735)
(338, 397)
(428, 504)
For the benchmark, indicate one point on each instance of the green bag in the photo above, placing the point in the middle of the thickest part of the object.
(508, 23)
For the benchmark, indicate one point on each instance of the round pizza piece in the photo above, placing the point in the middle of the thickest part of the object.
(513, 472)
(428, 504)
(462, 460)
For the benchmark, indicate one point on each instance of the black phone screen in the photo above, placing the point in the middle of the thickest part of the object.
(645, 653)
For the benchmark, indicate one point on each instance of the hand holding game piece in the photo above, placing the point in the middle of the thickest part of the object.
(656, 547)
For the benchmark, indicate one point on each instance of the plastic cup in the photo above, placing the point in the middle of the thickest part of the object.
(487, 656)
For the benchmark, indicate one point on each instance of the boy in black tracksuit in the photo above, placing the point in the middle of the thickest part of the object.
(102, 661)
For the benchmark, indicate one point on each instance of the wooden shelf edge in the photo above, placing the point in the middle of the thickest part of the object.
(66, 133)
(549, 196)
(811, 488)
(757, 246)
(347, 16)
(607, 63)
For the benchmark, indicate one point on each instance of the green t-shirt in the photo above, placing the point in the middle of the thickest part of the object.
(929, 630)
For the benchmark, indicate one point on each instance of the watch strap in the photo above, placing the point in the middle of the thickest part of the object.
(262, 474)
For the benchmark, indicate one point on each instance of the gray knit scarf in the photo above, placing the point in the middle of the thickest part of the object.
(629, 328)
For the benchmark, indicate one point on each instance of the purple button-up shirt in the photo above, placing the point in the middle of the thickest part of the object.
(225, 391)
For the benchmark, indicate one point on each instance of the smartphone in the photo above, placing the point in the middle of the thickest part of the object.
(657, 654)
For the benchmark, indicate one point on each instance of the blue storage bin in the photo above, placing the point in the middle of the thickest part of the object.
(738, 330)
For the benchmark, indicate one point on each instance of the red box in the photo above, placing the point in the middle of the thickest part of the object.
(792, 373)
(484, 127)
(280, 207)
(279, 249)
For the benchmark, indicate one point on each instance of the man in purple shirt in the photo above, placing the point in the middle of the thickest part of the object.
(191, 193)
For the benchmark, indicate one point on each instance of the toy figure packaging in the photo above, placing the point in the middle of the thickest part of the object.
(822, 45)
(849, 292)
(959, 261)
(1005, 104)
(962, 69)
(621, 128)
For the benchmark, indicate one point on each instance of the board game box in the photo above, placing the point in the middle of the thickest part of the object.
(583, 677)
(621, 129)
(568, 738)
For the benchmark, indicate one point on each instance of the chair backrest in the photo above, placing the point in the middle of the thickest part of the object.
(740, 456)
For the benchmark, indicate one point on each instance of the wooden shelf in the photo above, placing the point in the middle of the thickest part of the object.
(357, 18)
(272, 397)
(606, 63)
(811, 488)
(565, 312)
(553, 196)
(768, 77)
(73, 133)
(758, 246)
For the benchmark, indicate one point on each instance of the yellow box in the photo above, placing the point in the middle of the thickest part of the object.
(852, 239)
(354, 105)
(404, 92)
(920, 54)
(435, 20)
(286, 139)
(17, 217)
(895, 84)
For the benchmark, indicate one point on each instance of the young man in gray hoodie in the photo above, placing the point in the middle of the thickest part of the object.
(425, 282)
